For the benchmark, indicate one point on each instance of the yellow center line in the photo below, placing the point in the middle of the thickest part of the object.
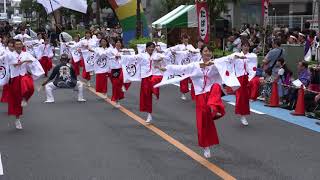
(212, 167)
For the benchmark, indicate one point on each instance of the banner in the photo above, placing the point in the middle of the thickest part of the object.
(89, 60)
(101, 64)
(203, 21)
(186, 57)
(265, 12)
(130, 68)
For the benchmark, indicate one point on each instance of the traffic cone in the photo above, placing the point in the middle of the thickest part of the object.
(274, 100)
(299, 110)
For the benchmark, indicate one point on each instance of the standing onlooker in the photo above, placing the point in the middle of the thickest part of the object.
(273, 55)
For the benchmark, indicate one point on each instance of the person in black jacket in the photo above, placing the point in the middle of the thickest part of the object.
(63, 76)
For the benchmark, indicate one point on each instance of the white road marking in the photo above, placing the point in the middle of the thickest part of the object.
(252, 110)
(1, 169)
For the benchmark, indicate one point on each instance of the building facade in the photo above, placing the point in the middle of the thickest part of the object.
(287, 12)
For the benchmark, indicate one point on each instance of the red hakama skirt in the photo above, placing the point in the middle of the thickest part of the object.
(5, 93)
(21, 87)
(46, 64)
(155, 80)
(184, 86)
(207, 132)
(85, 74)
(146, 95)
(102, 83)
(76, 67)
(242, 97)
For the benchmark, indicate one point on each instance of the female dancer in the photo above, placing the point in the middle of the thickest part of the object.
(118, 85)
(207, 84)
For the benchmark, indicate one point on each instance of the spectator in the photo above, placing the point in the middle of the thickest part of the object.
(312, 101)
(272, 57)
(267, 85)
(284, 79)
(304, 77)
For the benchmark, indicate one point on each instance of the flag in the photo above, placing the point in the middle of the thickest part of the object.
(169, 57)
(226, 70)
(130, 68)
(89, 60)
(186, 57)
(170, 76)
(50, 7)
(78, 5)
(76, 55)
(101, 64)
(4, 71)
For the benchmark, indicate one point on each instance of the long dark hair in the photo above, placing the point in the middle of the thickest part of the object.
(104, 38)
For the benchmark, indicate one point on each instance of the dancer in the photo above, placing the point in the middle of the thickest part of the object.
(21, 86)
(5, 57)
(102, 70)
(64, 77)
(148, 62)
(86, 44)
(244, 72)
(207, 83)
(118, 85)
(44, 53)
(185, 46)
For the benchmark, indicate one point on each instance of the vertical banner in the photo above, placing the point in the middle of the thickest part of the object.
(265, 12)
(203, 20)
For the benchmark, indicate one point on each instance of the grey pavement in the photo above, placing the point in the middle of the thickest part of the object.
(93, 141)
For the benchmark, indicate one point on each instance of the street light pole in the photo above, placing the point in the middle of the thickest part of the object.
(139, 24)
(5, 6)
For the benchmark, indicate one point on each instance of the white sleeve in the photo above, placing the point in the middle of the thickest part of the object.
(186, 69)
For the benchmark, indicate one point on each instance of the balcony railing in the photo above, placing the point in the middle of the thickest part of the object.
(294, 21)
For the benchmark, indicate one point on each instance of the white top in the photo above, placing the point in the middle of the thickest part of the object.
(114, 61)
(14, 58)
(44, 50)
(148, 64)
(245, 66)
(202, 78)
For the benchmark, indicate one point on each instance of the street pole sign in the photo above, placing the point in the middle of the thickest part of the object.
(203, 20)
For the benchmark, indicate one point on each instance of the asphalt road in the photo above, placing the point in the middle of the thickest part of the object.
(93, 140)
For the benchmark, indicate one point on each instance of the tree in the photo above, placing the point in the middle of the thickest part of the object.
(28, 6)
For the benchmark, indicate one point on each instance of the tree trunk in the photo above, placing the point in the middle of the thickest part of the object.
(139, 24)
(98, 12)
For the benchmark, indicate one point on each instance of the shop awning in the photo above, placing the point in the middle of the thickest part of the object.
(183, 16)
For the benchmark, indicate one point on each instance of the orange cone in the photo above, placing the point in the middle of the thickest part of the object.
(274, 100)
(300, 111)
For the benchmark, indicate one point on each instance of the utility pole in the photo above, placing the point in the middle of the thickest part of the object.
(139, 24)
